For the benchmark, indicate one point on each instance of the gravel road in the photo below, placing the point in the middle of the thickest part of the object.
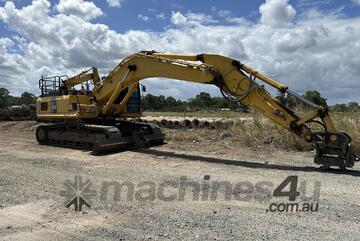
(131, 193)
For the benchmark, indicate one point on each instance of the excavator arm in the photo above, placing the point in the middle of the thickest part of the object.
(237, 83)
(84, 76)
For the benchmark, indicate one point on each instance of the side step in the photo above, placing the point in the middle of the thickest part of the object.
(99, 138)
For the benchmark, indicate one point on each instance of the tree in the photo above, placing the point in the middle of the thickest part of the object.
(4, 92)
(339, 108)
(315, 97)
(221, 102)
(353, 106)
(151, 102)
(14, 100)
(27, 98)
(4, 95)
(170, 101)
(292, 102)
(161, 100)
(202, 100)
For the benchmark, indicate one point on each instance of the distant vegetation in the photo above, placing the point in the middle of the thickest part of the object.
(203, 101)
(292, 102)
(17, 107)
(315, 97)
(7, 100)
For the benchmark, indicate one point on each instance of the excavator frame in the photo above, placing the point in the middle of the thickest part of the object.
(92, 115)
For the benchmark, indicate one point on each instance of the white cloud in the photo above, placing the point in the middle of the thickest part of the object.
(115, 3)
(178, 19)
(317, 51)
(160, 16)
(276, 13)
(200, 18)
(312, 3)
(191, 19)
(238, 20)
(5, 43)
(224, 13)
(83, 9)
(143, 17)
(356, 1)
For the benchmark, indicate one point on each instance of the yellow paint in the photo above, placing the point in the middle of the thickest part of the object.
(205, 68)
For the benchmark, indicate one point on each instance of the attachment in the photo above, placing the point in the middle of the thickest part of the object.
(333, 149)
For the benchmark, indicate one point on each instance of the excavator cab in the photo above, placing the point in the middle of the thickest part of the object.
(133, 104)
(57, 101)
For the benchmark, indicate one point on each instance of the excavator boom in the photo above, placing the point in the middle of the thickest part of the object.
(236, 81)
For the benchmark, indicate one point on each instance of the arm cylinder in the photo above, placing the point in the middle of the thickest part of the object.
(263, 77)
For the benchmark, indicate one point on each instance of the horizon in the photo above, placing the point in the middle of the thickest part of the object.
(307, 45)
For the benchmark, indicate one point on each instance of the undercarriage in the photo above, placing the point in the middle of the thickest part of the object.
(97, 138)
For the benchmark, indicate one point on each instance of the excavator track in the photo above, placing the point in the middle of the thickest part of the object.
(99, 138)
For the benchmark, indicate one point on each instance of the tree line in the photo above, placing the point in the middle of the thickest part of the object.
(315, 97)
(202, 101)
(25, 106)
(7, 100)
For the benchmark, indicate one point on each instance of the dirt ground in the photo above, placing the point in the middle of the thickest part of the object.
(32, 204)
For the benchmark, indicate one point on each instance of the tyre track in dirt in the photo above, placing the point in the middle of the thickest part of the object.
(32, 207)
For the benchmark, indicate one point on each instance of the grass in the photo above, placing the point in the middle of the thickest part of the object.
(259, 133)
(207, 113)
(349, 123)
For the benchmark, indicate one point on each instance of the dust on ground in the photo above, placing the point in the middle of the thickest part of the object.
(32, 179)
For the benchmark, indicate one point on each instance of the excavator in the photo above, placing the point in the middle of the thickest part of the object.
(100, 116)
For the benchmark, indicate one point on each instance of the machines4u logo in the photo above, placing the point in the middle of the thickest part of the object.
(290, 188)
(78, 193)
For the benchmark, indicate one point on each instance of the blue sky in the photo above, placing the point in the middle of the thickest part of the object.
(305, 44)
(124, 18)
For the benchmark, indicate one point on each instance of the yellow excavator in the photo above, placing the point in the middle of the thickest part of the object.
(97, 117)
